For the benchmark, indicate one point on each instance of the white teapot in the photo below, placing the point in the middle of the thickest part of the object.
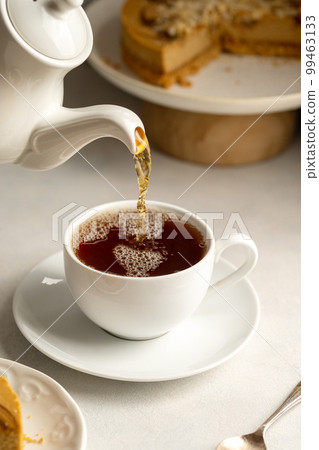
(40, 42)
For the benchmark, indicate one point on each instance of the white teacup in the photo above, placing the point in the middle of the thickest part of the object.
(147, 307)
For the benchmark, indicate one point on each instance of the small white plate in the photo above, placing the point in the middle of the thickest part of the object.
(217, 331)
(48, 411)
(231, 84)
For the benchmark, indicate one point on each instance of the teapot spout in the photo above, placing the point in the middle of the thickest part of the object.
(65, 131)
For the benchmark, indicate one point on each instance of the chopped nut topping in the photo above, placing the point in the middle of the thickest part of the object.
(177, 18)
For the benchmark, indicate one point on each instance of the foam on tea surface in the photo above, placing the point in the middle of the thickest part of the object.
(137, 262)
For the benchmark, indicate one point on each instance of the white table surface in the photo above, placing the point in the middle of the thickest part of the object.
(193, 413)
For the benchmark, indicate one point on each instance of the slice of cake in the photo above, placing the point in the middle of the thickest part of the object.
(262, 27)
(165, 40)
(11, 437)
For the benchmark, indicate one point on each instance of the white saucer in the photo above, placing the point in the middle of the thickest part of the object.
(48, 411)
(215, 333)
(231, 84)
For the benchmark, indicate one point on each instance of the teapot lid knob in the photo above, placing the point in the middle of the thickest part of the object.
(65, 6)
(58, 29)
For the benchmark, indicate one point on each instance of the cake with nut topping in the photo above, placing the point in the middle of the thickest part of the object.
(163, 41)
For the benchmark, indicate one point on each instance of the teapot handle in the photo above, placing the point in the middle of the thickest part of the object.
(65, 131)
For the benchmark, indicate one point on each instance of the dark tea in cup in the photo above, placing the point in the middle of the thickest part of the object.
(110, 243)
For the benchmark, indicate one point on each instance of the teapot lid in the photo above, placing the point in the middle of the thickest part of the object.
(56, 28)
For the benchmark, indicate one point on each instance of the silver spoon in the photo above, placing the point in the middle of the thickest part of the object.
(255, 441)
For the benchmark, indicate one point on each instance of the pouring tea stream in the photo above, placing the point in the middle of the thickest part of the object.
(40, 42)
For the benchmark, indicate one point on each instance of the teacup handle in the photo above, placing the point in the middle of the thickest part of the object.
(246, 267)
